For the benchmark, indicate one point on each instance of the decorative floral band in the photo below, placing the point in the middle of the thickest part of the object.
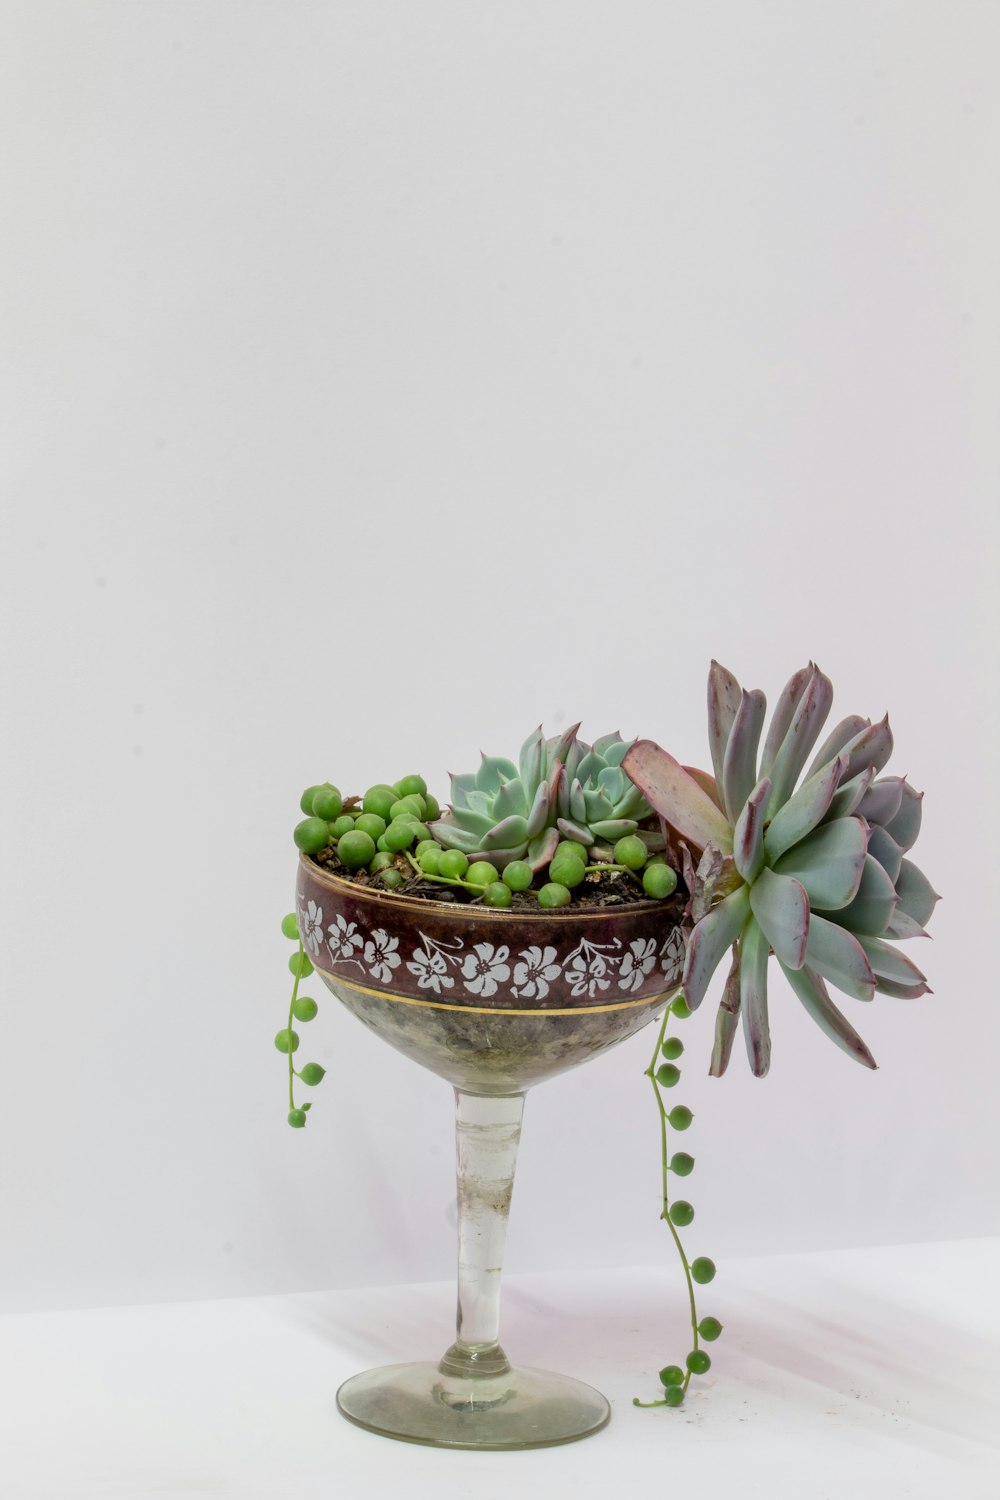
(451, 967)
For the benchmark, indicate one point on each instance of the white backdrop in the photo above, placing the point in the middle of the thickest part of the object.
(379, 380)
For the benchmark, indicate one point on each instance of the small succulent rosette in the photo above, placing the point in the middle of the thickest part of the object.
(560, 788)
(814, 870)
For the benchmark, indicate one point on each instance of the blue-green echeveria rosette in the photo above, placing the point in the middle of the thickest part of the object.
(809, 860)
(560, 788)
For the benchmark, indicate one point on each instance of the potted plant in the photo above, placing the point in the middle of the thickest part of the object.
(554, 909)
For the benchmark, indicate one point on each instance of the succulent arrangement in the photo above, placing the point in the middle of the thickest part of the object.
(783, 848)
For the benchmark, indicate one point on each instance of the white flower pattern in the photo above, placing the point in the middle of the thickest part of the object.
(672, 956)
(485, 969)
(381, 956)
(535, 972)
(588, 971)
(431, 969)
(344, 941)
(311, 925)
(636, 963)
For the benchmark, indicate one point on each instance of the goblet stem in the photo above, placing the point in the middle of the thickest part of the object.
(487, 1134)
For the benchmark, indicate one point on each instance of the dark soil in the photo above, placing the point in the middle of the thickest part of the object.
(616, 888)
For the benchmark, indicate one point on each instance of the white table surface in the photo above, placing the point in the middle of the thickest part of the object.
(839, 1376)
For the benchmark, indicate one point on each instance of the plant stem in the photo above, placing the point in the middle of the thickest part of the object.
(665, 1211)
(599, 870)
(441, 879)
(291, 1018)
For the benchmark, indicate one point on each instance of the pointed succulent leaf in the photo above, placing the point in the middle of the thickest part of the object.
(708, 784)
(615, 754)
(906, 824)
(571, 829)
(597, 803)
(563, 745)
(538, 814)
(613, 782)
(676, 796)
(840, 958)
(916, 894)
(902, 991)
(888, 963)
(607, 742)
(885, 849)
(754, 953)
(574, 755)
(748, 835)
(815, 997)
(829, 862)
(461, 786)
(781, 908)
(781, 718)
(541, 849)
(901, 927)
(711, 937)
(479, 801)
(452, 837)
(811, 713)
(739, 767)
(724, 694)
(532, 762)
(613, 828)
(590, 767)
(493, 771)
(881, 802)
(506, 834)
(872, 747)
(654, 842)
(510, 799)
(803, 811)
(500, 858)
(873, 907)
(726, 1020)
(633, 804)
(471, 822)
(577, 803)
(849, 794)
(847, 730)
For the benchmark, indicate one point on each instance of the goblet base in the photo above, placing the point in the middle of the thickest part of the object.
(519, 1408)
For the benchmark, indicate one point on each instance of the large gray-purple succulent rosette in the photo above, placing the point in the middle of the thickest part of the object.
(808, 861)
